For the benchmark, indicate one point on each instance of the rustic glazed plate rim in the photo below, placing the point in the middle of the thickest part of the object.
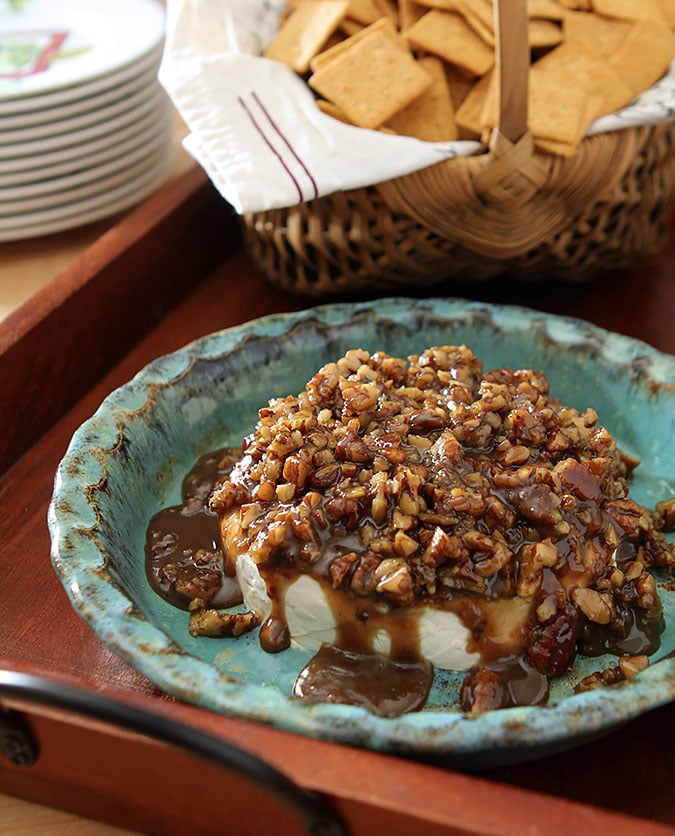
(80, 559)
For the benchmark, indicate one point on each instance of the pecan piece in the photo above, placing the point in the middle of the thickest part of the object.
(483, 690)
(218, 624)
(352, 447)
(593, 604)
(552, 647)
(340, 567)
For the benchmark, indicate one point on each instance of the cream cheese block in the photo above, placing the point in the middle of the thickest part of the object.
(311, 620)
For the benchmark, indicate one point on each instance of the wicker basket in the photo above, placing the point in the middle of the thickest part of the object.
(512, 211)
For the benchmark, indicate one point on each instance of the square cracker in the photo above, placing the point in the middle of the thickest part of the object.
(576, 58)
(470, 114)
(606, 34)
(449, 36)
(371, 80)
(479, 14)
(430, 116)
(545, 10)
(409, 12)
(363, 11)
(384, 24)
(543, 33)
(631, 9)
(459, 83)
(389, 8)
(644, 55)
(332, 110)
(559, 113)
(305, 31)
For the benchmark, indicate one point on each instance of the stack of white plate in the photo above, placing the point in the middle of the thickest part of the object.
(85, 127)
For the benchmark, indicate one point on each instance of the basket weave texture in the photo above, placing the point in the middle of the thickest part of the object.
(512, 211)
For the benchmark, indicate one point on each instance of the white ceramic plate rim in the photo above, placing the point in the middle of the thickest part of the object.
(63, 199)
(111, 34)
(91, 209)
(81, 92)
(64, 118)
(36, 167)
(155, 98)
(126, 155)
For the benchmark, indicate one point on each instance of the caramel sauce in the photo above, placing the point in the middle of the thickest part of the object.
(524, 684)
(274, 635)
(183, 555)
(382, 685)
(508, 682)
(641, 635)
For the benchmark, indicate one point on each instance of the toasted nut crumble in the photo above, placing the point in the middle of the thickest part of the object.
(620, 674)
(433, 482)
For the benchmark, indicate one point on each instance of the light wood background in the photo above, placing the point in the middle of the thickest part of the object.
(19, 818)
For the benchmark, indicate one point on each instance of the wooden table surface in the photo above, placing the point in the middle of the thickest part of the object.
(639, 303)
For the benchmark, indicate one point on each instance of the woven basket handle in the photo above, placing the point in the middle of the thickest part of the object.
(512, 66)
(505, 203)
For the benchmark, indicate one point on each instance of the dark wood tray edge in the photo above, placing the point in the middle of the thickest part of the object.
(196, 193)
(97, 309)
(369, 790)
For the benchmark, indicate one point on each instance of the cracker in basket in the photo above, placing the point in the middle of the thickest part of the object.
(327, 55)
(371, 80)
(363, 11)
(668, 7)
(545, 10)
(470, 114)
(560, 113)
(631, 9)
(384, 25)
(409, 12)
(459, 83)
(430, 116)
(389, 8)
(333, 110)
(644, 55)
(305, 31)
(578, 59)
(479, 14)
(557, 111)
(606, 34)
(449, 36)
(543, 33)
(597, 56)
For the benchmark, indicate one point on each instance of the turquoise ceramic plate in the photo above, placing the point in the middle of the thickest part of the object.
(128, 460)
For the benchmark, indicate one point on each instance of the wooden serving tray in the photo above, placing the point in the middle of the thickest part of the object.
(170, 272)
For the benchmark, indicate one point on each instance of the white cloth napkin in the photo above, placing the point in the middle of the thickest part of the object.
(254, 126)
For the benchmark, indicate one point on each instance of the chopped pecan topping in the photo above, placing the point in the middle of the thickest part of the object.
(620, 674)
(218, 623)
(428, 481)
(483, 690)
